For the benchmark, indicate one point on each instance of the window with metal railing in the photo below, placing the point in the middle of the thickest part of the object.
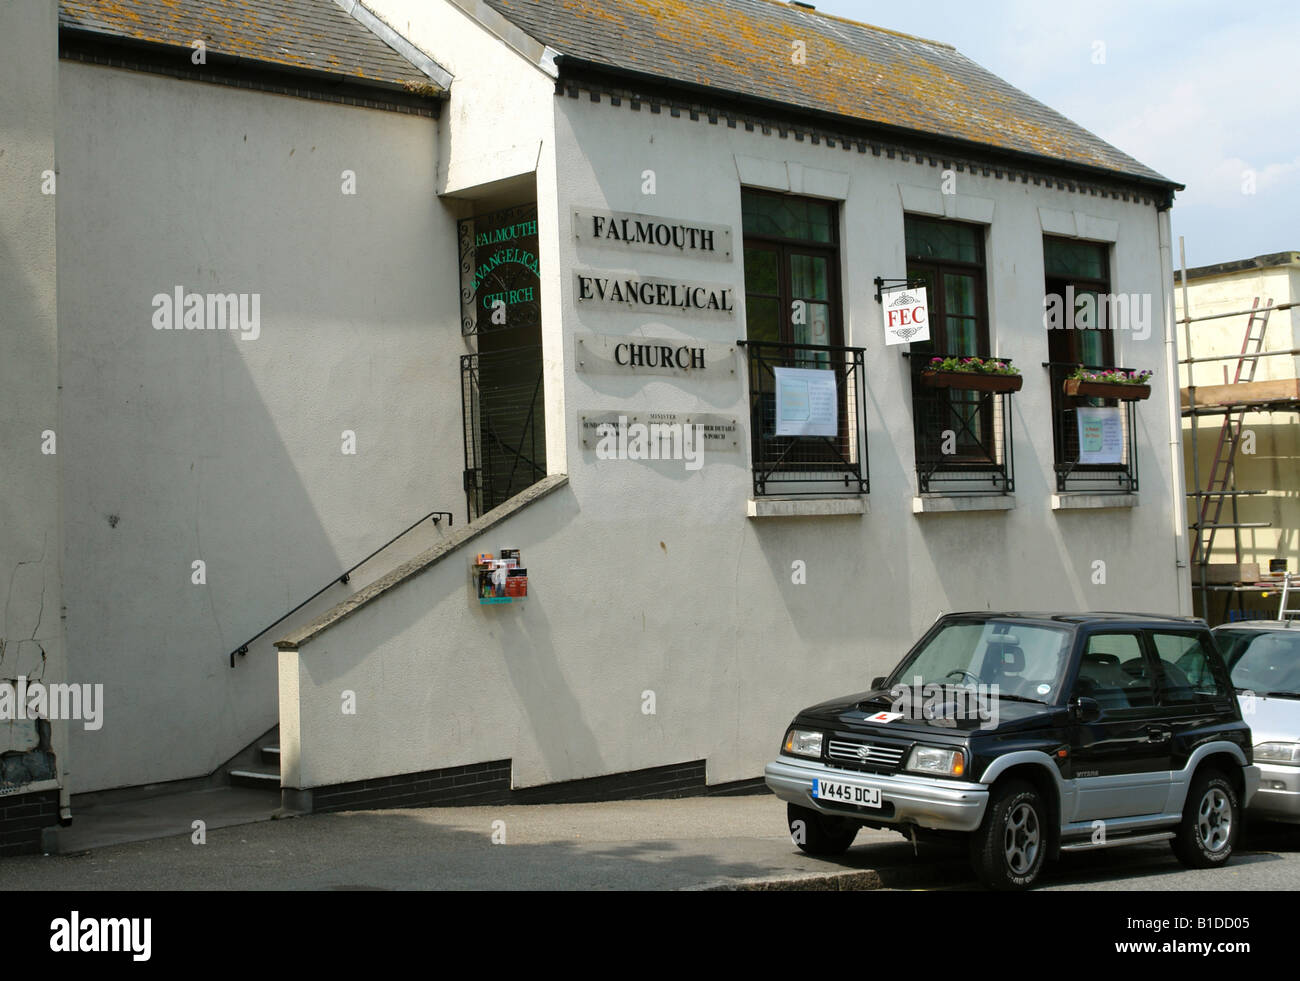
(807, 425)
(962, 422)
(1094, 437)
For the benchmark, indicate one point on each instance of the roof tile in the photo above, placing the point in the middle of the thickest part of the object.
(312, 34)
(853, 70)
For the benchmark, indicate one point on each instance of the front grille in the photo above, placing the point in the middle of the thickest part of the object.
(864, 755)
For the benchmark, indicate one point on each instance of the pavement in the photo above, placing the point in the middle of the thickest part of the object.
(693, 843)
(103, 823)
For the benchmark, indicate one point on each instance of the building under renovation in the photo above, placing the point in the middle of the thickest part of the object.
(1240, 363)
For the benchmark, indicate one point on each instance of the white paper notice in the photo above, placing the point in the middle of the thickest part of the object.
(1101, 435)
(907, 316)
(806, 403)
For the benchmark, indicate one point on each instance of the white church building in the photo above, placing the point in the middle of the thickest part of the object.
(534, 399)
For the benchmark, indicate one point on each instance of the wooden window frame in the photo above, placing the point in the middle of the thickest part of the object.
(784, 247)
(939, 340)
(1071, 354)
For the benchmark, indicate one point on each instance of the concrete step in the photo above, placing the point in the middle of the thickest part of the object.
(265, 779)
(271, 755)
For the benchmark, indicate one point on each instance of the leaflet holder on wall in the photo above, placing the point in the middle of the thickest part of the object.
(498, 579)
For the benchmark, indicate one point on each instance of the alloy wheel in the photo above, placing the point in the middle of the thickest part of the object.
(1214, 819)
(1021, 839)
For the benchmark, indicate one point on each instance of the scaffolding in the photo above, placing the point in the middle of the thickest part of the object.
(1232, 401)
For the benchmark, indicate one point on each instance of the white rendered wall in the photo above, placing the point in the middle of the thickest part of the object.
(187, 445)
(31, 631)
(500, 106)
(647, 577)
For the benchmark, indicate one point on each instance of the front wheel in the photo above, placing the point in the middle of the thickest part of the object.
(1211, 822)
(819, 834)
(1010, 846)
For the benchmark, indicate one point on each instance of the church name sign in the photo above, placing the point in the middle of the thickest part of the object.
(651, 294)
(500, 283)
(652, 356)
(647, 233)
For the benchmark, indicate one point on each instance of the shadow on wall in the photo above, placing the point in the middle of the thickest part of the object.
(545, 697)
(519, 635)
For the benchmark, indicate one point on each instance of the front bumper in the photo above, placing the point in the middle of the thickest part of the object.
(1278, 797)
(928, 802)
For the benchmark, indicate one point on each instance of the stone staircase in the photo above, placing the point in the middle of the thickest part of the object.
(259, 766)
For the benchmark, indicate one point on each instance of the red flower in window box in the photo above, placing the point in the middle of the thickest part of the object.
(1127, 386)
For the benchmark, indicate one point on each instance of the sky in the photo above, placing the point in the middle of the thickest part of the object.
(1204, 93)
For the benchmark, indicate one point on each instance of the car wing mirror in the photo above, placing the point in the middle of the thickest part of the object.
(1085, 709)
(878, 683)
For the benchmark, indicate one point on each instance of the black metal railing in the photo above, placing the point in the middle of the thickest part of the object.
(504, 427)
(963, 435)
(1071, 474)
(343, 579)
(833, 461)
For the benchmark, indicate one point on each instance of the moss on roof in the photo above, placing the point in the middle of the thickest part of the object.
(318, 35)
(787, 54)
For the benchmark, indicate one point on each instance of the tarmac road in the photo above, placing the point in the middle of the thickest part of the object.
(694, 843)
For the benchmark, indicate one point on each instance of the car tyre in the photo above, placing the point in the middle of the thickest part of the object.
(1010, 846)
(1211, 822)
(820, 834)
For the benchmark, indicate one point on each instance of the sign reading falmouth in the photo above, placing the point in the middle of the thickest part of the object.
(652, 356)
(646, 233)
(499, 279)
(647, 293)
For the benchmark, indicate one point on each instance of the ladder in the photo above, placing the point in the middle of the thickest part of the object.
(1285, 611)
(1218, 488)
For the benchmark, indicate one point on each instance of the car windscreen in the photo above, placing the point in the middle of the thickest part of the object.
(1008, 657)
(1262, 661)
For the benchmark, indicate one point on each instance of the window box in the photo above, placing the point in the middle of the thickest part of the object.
(972, 381)
(1078, 388)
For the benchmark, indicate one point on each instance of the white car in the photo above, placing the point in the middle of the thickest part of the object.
(1263, 658)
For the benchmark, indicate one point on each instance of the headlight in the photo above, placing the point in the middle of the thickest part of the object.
(801, 742)
(1278, 753)
(940, 762)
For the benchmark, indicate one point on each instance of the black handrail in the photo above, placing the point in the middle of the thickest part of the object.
(437, 516)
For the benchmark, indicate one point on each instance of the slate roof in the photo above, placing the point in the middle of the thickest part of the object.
(306, 34)
(863, 73)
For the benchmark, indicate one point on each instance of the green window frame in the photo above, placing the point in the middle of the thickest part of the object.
(792, 255)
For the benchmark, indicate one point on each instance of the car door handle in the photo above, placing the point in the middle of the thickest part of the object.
(1155, 735)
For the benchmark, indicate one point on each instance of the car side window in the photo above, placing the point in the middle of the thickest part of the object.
(1186, 673)
(1113, 671)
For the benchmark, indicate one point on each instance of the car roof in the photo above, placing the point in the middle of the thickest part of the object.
(1110, 618)
(1278, 626)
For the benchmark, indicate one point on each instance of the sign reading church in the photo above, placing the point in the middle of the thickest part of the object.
(499, 279)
